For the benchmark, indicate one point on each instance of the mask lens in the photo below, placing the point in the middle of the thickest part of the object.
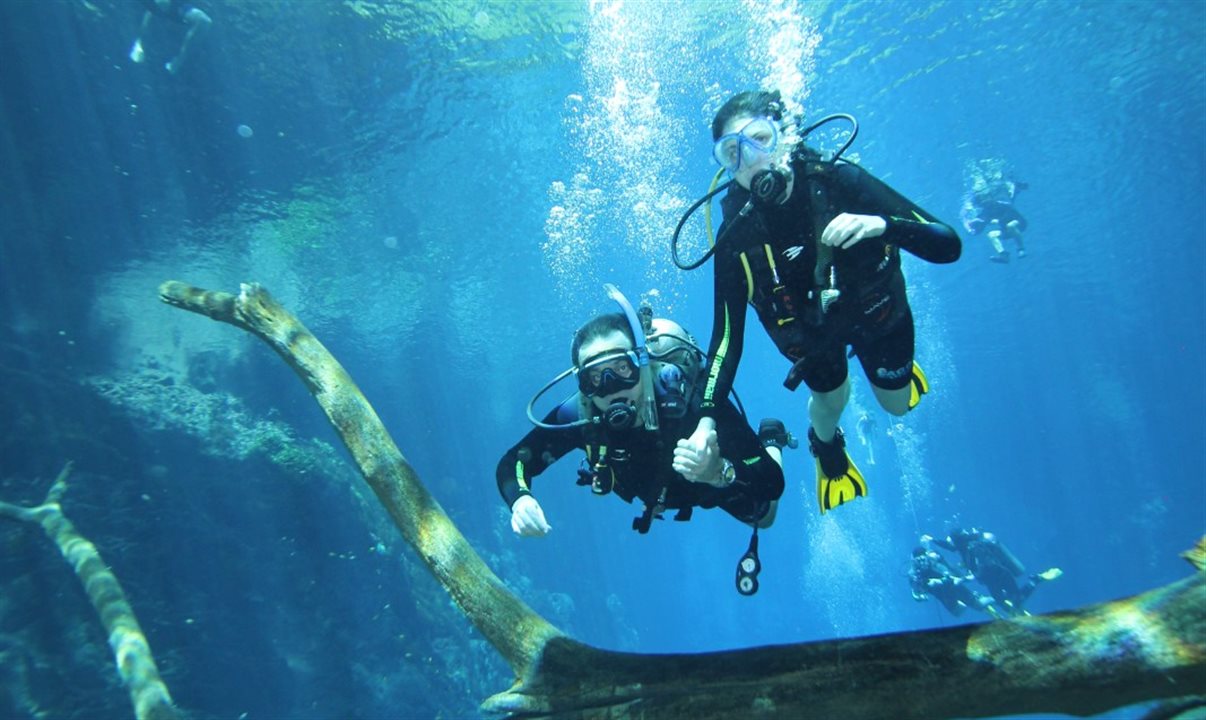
(608, 375)
(759, 135)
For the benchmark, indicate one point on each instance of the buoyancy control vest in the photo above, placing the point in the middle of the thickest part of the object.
(677, 363)
(805, 292)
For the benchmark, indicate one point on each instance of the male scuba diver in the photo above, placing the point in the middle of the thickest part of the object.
(994, 567)
(637, 399)
(814, 246)
(931, 576)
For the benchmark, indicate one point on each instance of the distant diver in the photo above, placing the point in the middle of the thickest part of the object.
(176, 12)
(994, 567)
(638, 383)
(814, 246)
(988, 207)
(931, 576)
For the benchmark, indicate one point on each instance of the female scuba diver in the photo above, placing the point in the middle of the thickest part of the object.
(814, 246)
(637, 400)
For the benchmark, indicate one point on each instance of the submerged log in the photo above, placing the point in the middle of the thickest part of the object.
(1083, 662)
(135, 664)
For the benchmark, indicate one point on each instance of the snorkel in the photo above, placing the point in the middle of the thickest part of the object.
(648, 407)
(649, 401)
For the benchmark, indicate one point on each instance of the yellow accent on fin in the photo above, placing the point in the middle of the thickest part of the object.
(832, 492)
(918, 385)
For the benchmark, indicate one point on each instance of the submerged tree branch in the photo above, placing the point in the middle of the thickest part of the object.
(135, 663)
(1084, 662)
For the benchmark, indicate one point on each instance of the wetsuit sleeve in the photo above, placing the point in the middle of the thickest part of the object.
(909, 227)
(531, 456)
(758, 476)
(728, 331)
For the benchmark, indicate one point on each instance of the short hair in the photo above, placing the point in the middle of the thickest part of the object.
(752, 103)
(598, 327)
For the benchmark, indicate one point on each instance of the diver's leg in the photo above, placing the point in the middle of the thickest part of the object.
(895, 402)
(197, 20)
(136, 52)
(888, 364)
(768, 519)
(825, 410)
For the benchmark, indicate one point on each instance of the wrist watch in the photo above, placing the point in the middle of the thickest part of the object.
(728, 473)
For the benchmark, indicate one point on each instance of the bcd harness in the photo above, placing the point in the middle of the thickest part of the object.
(598, 470)
(831, 302)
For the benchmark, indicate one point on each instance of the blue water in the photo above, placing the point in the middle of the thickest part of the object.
(439, 191)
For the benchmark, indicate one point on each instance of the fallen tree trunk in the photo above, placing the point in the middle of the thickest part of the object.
(1081, 663)
(135, 663)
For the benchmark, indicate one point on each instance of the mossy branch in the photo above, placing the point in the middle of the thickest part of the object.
(1084, 662)
(135, 664)
(512, 627)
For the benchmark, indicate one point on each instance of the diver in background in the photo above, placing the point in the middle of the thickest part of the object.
(631, 418)
(815, 248)
(865, 427)
(988, 207)
(994, 567)
(175, 11)
(931, 576)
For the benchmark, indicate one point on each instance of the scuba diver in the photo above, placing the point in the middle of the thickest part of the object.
(637, 398)
(994, 567)
(173, 11)
(865, 427)
(931, 576)
(814, 246)
(988, 207)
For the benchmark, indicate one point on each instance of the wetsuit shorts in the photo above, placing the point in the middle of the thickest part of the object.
(887, 360)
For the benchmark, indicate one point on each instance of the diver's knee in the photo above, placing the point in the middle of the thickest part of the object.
(197, 16)
(894, 402)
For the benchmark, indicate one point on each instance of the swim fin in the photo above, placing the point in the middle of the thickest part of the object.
(838, 480)
(918, 385)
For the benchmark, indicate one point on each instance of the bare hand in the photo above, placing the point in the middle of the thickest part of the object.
(527, 518)
(847, 230)
(697, 458)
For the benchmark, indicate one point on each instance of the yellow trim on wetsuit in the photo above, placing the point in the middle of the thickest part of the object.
(519, 478)
(749, 279)
(770, 260)
(714, 371)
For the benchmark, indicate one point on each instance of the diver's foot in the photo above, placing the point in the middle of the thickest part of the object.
(136, 53)
(1021, 254)
(1001, 257)
(172, 66)
(831, 455)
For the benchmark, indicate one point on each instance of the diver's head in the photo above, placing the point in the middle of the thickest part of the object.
(918, 552)
(745, 133)
(607, 368)
(671, 342)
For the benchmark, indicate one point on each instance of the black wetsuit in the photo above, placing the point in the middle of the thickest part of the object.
(952, 591)
(994, 566)
(174, 12)
(636, 463)
(777, 247)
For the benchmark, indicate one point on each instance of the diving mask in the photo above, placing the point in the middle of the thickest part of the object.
(759, 135)
(609, 374)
